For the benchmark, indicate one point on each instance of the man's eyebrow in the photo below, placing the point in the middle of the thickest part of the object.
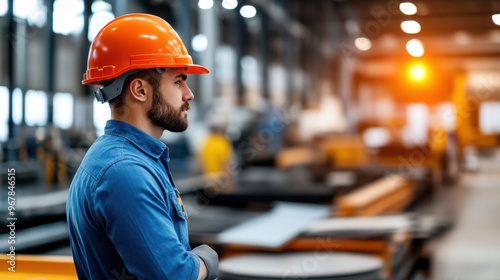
(182, 76)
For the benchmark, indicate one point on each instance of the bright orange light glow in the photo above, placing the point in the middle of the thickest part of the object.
(417, 72)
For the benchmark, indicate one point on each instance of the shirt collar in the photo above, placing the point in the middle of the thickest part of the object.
(143, 141)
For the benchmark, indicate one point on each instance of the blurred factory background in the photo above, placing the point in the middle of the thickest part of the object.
(379, 117)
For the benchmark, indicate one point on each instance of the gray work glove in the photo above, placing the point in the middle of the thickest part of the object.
(210, 258)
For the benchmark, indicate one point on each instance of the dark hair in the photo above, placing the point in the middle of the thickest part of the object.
(149, 75)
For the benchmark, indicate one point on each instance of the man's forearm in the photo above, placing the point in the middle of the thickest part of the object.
(203, 270)
(209, 262)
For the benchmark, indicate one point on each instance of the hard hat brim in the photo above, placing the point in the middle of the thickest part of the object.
(190, 69)
(196, 69)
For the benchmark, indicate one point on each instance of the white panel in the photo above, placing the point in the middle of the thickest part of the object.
(4, 113)
(417, 117)
(17, 106)
(274, 229)
(63, 110)
(489, 117)
(36, 108)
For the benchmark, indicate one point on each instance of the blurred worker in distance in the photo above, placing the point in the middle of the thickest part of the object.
(216, 154)
(125, 215)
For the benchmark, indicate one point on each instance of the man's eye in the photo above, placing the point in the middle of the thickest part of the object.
(178, 82)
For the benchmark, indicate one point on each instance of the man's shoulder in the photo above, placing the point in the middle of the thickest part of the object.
(109, 150)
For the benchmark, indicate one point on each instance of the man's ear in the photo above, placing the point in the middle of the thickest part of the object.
(139, 89)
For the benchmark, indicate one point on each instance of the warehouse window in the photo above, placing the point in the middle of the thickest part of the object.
(4, 6)
(68, 17)
(4, 113)
(36, 108)
(63, 110)
(34, 11)
(101, 15)
(102, 113)
(489, 117)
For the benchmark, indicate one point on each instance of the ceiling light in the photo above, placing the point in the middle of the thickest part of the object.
(200, 42)
(248, 11)
(415, 48)
(205, 4)
(410, 26)
(363, 43)
(229, 4)
(408, 8)
(496, 19)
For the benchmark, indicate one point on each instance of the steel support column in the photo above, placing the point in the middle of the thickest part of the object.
(11, 31)
(264, 48)
(209, 26)
(240, 37)
(182, 18)
(50, 62)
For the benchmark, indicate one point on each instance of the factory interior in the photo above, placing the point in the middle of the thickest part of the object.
(332, 139)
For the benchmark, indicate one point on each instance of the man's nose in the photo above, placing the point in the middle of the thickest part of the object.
(188, 94)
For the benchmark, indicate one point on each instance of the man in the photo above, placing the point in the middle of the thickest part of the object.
(125, 215)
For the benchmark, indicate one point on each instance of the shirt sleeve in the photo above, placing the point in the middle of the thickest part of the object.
(133, 210)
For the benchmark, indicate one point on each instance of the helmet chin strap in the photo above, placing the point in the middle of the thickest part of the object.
(105, 94)
(161, 70)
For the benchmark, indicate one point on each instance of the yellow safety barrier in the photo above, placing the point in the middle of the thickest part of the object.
(29, 267)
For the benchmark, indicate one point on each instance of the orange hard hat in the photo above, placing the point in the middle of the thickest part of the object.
(136, 41)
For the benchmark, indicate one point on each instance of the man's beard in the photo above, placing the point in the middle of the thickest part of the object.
(164, 115)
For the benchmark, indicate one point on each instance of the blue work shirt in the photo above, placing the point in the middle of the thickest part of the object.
(124, 213)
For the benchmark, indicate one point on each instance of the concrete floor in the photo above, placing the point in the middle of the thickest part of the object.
(471, 250)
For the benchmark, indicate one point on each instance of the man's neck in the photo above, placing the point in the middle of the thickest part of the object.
(142, 123)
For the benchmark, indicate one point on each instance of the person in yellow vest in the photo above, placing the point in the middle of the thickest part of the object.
(216, 156)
